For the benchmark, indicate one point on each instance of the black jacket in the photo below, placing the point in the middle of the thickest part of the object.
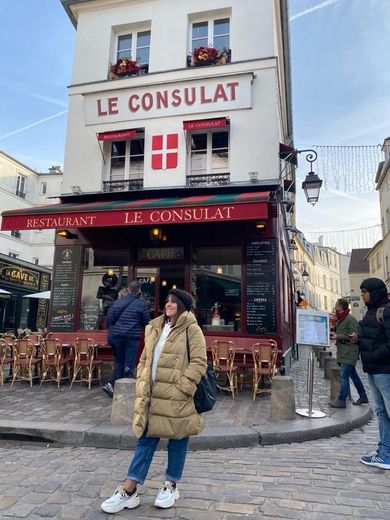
(127, 317)
(374, 337)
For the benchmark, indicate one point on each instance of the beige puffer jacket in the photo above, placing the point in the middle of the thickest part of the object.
(166, 404)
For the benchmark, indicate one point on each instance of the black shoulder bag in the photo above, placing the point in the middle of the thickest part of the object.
(207, 389)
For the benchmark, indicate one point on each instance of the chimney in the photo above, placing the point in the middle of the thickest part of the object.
(55, 169)
(321, 240)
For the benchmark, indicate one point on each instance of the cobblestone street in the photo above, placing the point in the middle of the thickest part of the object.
(313, 480)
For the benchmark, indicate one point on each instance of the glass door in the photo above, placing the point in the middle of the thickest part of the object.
(156, 282)
(148, 278)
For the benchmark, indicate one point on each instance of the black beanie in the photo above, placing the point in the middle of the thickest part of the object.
(184, 297)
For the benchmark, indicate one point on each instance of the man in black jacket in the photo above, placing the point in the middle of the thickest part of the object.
(374, 346)
(126, 320)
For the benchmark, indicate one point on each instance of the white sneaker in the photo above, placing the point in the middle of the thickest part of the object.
(167, 495)
(119, 500)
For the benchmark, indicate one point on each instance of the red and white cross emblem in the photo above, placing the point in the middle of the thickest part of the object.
(164, 151)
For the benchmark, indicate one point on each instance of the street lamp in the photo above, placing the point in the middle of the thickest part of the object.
(312, 184)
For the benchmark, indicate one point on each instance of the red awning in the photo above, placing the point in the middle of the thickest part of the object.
(172, 210)
(206, 124)
(288, 154)
(116, 136)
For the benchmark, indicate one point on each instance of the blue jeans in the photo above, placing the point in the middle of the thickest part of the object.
(125, 353)
(346, 372)
(143, 455)
(380, 387)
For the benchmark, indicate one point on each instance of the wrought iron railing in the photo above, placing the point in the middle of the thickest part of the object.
(21, 194)
(123, 185)
(213, 179)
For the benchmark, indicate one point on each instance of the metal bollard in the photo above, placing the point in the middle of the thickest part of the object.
(309, 412)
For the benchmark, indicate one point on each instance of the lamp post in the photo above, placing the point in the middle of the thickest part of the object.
(312, 183)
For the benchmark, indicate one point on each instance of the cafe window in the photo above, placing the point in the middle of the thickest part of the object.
(208, 152)
(105, 274)
(126, 159)
(216, 287)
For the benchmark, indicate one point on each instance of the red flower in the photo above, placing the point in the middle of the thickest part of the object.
(205, 55)
(125, 67)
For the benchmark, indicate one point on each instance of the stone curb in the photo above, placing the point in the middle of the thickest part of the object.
(121, 437)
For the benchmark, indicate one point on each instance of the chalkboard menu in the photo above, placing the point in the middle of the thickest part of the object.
(89, 315)
(67, 265)
(260, 286)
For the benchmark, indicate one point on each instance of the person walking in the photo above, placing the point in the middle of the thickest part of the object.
(347, 355)
(126, 320)
(164, 405)
(374, 346)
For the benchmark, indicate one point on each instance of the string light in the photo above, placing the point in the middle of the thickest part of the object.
(346, 240)
(348, 168)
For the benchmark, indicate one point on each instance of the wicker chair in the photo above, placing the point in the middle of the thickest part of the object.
(5, 357)
(24, 359)
(85, 362)
(54, 361)
(264, 363)
(223, 353)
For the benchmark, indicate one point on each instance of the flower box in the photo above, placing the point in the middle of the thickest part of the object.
(125, 68)
(208, 56)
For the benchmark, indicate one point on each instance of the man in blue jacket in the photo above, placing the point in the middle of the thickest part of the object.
(126, 320)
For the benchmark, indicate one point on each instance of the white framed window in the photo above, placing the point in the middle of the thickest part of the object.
(208, 152)
(126, 159)
(21, 182)
(43, 188)
(134, 45)
(214, 32)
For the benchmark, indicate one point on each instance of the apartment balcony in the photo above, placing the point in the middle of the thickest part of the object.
(213, 179)
(123, 185)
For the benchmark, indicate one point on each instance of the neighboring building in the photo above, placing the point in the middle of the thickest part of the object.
(358, 271)
(172, 169)
(26, 255)
(323, 265)
(375, 259)
(345, 260)
(23, 188)
(383, 186)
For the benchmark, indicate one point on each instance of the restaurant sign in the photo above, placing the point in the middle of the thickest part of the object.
(19, 275)
(138, 217)
(185, 97)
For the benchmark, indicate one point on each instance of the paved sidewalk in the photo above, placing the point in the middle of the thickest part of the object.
(81, 417)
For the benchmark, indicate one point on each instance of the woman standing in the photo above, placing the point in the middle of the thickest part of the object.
(164, 406)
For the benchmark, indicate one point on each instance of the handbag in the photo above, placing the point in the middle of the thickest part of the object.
(207, 389)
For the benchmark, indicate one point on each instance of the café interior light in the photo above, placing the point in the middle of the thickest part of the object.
(164, 283)
(260, 225)
(65, 233)
(219, 269)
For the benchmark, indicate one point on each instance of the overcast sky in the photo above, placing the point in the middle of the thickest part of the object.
(340, 78)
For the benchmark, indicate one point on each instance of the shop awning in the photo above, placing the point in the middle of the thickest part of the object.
(288, 154)
(175, 210)
(116, 136)
(206, 124)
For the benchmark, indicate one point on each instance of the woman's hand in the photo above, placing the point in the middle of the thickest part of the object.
(354, 338)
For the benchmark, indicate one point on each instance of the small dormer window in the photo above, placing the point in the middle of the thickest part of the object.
(43, 188)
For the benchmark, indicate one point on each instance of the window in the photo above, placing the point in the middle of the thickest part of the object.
(13, 255)
(209, 153)
(16, 233)
(36, 260)
(127, 159)
(21, 186)
(211, 32)
(212, 284)
(325, 302)
(324, 281)
(135, 46)
(43, 188)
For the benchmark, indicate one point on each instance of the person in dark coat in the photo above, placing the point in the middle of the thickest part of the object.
(126, 320)
(374, 346)
(347, 355)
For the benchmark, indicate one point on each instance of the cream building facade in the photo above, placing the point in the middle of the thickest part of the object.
(22, 187)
